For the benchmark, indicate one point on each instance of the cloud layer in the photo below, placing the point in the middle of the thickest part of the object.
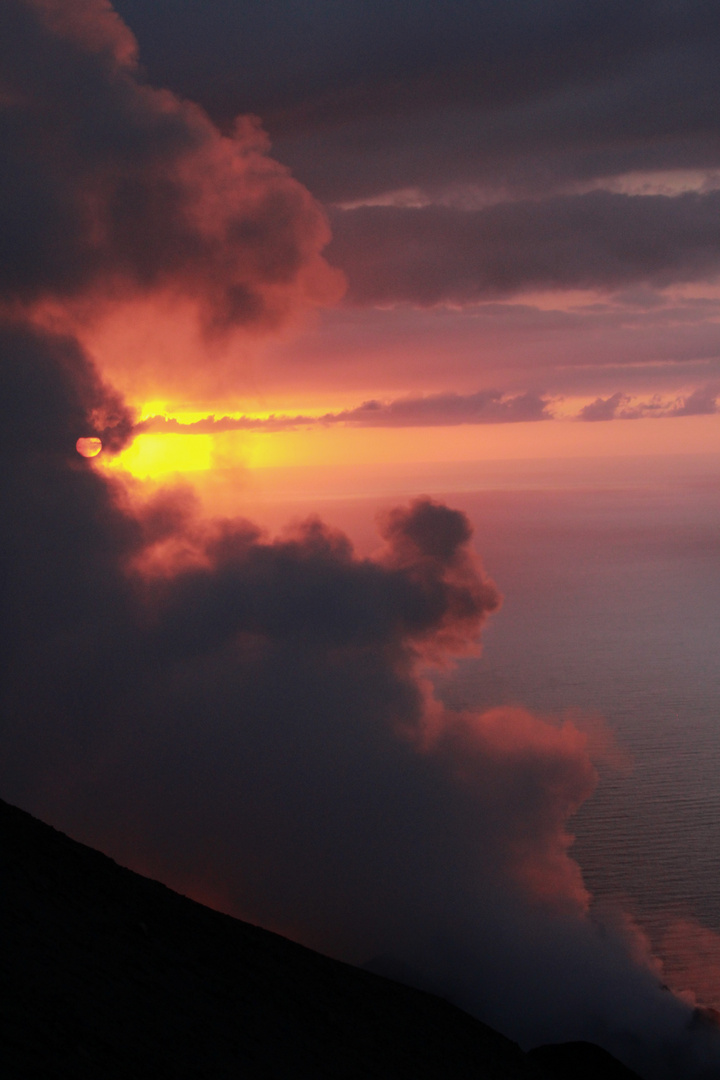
(448, 410)
(435, 254)
(619, 406)
(483, 407)
(113, 189)
(387, 96)
(483, 152)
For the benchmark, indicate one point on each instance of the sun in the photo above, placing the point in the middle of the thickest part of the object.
(88, 447)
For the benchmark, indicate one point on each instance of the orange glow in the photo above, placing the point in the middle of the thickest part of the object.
(337, 444)
(150, 456)
(229, 470)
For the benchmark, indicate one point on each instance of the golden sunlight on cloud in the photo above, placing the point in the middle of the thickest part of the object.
(227, 468)
(153, 454)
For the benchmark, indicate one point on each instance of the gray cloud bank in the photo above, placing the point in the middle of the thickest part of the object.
(434, 410)
(373, 96)
(448, 410)
(619, 406)
(436, 254)
(519, 105)
(110, 188)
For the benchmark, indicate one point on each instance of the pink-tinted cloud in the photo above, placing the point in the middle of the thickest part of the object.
(433, 410)
(603, 408)
(700, 402)
(448, 410)
(579, 349)
(113, 189)
(482, 407)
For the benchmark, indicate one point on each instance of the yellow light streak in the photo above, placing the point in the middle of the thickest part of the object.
(154, 455)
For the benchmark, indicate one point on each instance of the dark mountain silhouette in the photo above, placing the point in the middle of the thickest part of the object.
(107, 974)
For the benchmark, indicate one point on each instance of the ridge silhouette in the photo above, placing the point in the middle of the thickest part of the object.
(108, 974)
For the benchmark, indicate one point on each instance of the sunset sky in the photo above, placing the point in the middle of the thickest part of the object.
(314, 278)
(523, 201)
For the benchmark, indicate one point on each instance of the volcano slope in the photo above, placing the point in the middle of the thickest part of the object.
(107, 974)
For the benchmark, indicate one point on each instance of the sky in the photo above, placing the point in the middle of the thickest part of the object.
(270, 253)
(523, 198)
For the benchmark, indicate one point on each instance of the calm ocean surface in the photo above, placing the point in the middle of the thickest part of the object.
(612, 607)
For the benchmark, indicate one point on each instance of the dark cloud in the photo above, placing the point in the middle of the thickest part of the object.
(371, 97)
(483, 407)
(577, 349)
(111, 187)
(52, 397)
(484, 49)
(435, 254)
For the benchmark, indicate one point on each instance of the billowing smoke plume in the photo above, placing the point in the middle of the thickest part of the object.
(247, 717)
(114, 194)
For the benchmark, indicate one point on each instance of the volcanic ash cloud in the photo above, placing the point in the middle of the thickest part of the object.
(249, 718)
